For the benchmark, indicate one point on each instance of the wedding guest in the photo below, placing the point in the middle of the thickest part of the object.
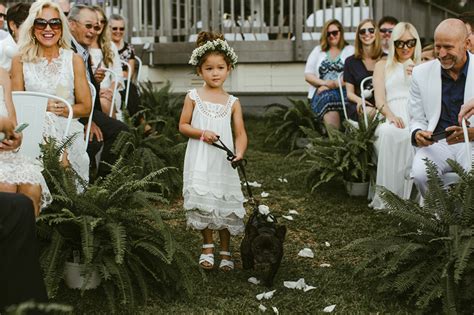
(361, 65)
(16, 15)
(427, 53)
(386, 25)
(439, 89)
(468, 19)
(324, 64)
(3, 15)
(392, 78)
(84, 26)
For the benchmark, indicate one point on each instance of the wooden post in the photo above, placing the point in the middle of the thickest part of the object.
(299, 22)
(379, 10)
(167, 7)
(215, 16)
(205, 14)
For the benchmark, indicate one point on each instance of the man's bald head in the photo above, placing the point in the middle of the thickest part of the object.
(451, 44)
(454, 27)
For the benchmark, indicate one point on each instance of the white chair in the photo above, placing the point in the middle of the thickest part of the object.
(115, 78)
(129, 78)
(139, 71)
(365, 93)
(341, 92)
(31, 108)
(450, 177)
(89, 122)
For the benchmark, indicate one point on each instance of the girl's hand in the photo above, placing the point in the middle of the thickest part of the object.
(238, 156)
(321, 89)
(209, 137)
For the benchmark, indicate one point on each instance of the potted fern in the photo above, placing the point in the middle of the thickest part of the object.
(115, 226)
(427, 255)
(286, 123)
(346, 154)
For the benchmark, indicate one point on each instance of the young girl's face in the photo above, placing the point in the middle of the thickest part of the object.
(214, 70)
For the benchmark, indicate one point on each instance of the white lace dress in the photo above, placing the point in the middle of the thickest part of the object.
(212, 193)
(16, 168)
(393, 145)
(57, 78)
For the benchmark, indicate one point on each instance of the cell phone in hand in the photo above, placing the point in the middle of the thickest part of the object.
(441, 135)
(99, 65)
(21, 127)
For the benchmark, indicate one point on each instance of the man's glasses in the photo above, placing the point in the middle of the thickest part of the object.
(333, 33)
(118, 29)
(3, 16)
(369, 30)
(386, 30)
(402, 43)
(89, 26)
(103, 21)
(41, 24)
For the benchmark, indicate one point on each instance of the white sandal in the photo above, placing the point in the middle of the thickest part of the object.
(209, 258)
(226, 264)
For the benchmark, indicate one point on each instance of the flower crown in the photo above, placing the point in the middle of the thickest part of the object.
(215, 45)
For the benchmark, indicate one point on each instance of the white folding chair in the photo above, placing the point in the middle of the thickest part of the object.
(364, 94)
(450, 177)
(139, 71)
(115, 91)
(89, 122)
(341, 92)
(31, 108)
(129, 78)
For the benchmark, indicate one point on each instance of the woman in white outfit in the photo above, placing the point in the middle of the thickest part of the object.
(46, 63)
(392, 78)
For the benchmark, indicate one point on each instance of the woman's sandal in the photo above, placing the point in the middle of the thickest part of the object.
(226, 264)
(207, 258)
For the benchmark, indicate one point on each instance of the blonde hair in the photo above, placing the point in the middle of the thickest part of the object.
(398, 32)
(105, 39)
(324, 35)
(376, 51)
(28, 47)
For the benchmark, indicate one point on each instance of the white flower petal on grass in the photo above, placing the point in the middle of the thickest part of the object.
(265, 295)
(327, 244)
(254, 280)
(288, 217)
(298, 285)
(262, 308)
(293, 212)
(264, 194)
(324, 265)
(329, 309)
(246, 200)
(263, 210)
(282, 180)
(255, 184)
(270, 219)
(306, 252)
(308, 288)
(275, 310)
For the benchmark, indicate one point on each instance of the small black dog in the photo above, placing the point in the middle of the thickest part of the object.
(263, 244)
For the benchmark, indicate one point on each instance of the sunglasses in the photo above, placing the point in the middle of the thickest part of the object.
(118, 29)
(386, 30)
(401, 43)
(369, 30)
(41, 24)
(89, 26)
(3, 15)
(333, 33)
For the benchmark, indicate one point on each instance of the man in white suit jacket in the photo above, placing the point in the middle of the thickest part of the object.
(439, 89)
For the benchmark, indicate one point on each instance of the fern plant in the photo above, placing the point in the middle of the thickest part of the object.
(116, 227)
(348, 154)
(428, 255)
(152, 152)
(287, 122)
(162, 109)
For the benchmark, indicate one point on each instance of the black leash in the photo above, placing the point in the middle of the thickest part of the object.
(237, 164)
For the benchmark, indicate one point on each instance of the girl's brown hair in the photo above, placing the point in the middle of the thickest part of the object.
(324, 35)
(204, 37)
(377, 51)
(105, 39)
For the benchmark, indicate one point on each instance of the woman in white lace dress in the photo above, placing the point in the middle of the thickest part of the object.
(46, 63)
(104, 54)
(17, 172)
(392, 78)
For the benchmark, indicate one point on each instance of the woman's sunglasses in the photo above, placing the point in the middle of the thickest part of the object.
(333, 33)
(402, 43)
(118, 29)
(41, 24)
(369, 30)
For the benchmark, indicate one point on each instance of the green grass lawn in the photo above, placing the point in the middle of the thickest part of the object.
(328, 215)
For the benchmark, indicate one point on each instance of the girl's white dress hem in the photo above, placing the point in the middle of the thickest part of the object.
(211, 187)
